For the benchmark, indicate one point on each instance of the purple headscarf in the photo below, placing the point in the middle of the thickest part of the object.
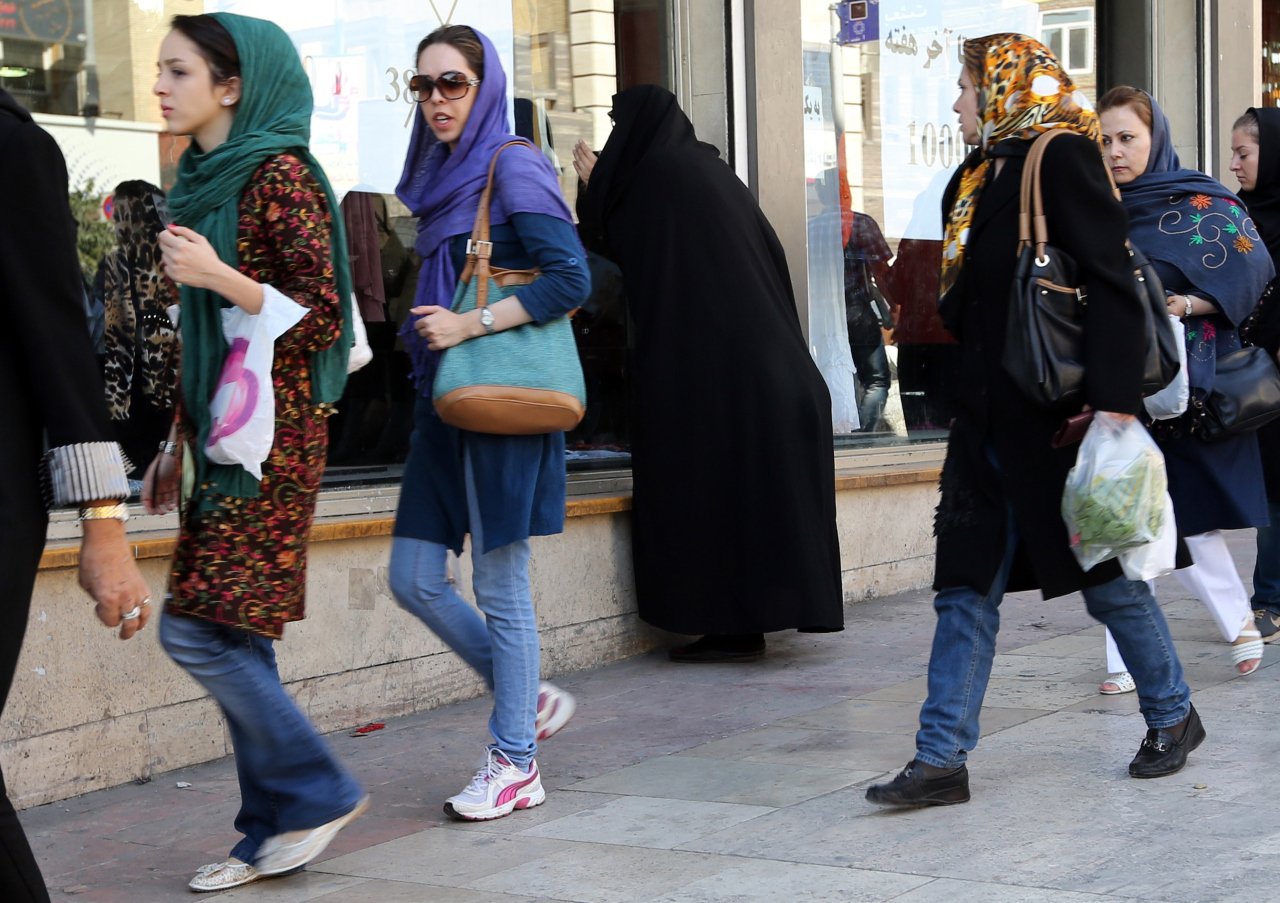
(443, 190)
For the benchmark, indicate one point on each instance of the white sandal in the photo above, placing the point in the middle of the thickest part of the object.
(1115, 684)
(223, 875)
(1248, 647)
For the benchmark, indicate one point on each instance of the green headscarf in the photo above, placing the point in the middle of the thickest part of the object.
(272, 117)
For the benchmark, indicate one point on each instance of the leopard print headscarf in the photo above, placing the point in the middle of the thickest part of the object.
(141, 340)
(1022, 91)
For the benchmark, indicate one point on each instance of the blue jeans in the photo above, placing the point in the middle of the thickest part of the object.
(502, 646)
(289, 780)
(1266, 571)
(964, 647)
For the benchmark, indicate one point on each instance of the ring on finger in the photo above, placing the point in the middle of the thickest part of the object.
(132, 614)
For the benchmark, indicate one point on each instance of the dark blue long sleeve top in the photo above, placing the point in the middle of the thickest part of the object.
(519, 480)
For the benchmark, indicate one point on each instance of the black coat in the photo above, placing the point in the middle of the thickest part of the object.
(49, 380)
(995, 417)
(734, 527)
(49, 385)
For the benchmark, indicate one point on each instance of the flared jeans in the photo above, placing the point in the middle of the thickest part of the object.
(289, 779)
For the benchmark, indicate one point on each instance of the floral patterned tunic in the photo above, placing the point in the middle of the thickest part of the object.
(244, 563)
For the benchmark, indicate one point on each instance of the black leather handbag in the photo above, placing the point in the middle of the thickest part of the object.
(1245, 395)
(1044, 344)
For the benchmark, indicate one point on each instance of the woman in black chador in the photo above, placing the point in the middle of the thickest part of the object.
(734, 531)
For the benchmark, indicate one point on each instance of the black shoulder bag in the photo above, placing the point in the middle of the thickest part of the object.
(1044, 345)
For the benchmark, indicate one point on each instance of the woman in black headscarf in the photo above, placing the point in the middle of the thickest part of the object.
(734, 530)
(1255, 161)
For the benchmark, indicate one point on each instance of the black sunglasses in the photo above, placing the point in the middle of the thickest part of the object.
(452, 86)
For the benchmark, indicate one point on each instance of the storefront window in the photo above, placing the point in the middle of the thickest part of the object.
(1270, 53)
(880, 144)
(86, 67)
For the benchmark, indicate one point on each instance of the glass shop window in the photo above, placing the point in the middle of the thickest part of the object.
(880, 144)
(86, 67)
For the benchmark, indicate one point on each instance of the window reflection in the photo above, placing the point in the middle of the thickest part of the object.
(880, 145)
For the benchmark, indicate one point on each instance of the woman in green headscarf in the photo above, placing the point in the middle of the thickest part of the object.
(252, 227)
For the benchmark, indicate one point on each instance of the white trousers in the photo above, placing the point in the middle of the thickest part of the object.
(1215, 581)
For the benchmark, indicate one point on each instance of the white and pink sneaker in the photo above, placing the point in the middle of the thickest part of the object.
(498, 789)
(555, 708)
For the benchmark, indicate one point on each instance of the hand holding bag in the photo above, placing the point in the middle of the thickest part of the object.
(1044, 346)
(1114, 496)
(516, 382)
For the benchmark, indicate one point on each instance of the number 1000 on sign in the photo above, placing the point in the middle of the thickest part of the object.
(931, 145)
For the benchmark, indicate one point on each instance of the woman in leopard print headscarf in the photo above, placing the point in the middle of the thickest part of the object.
(140, 368)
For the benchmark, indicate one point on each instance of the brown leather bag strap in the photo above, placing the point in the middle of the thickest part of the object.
(480, 248)
(1032, 222)
(1039, 225)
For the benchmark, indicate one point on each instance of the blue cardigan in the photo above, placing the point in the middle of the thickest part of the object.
(519, 480)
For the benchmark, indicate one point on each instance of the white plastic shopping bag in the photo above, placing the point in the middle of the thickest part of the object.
(243, 408)
(1114, 498)
(360, 353)
(1149, 561)
(1171, 401)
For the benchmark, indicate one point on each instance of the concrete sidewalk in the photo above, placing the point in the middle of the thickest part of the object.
(745, 782)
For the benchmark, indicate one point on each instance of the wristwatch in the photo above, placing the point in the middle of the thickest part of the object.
(486, 320)
(118, 511)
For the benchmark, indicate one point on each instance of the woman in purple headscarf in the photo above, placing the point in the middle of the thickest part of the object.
(500, 489)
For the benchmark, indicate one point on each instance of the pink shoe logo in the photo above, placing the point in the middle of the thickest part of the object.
(240, 387)
(509, 793)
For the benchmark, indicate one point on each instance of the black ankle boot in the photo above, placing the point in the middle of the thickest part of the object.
(914, 787)
(722, 647)
(1164, 750)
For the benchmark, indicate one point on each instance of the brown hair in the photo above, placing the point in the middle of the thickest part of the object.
(461, 38)
(214, 43)
(1248, 123)
(1127, 96)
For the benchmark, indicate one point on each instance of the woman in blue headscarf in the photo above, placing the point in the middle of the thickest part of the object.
(500, 489)
(1214, 267)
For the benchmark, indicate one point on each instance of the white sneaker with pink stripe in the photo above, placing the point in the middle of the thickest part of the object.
(498, 789)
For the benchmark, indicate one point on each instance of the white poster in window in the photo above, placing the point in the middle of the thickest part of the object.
(920, 60)
(359, 57)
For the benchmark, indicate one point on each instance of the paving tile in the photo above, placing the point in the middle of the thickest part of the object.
(856, 750)
(334, 888)
(690, 777)
(598, 873)
(745, 880)
(639, 821)
(300, 888)
(439, 856)
(899, 718)
(947, 890)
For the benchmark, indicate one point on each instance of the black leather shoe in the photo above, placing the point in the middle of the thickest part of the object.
(911, 788)
(721, 648)
(1164, 751)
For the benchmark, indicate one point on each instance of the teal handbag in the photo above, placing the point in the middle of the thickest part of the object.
(517, 382)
